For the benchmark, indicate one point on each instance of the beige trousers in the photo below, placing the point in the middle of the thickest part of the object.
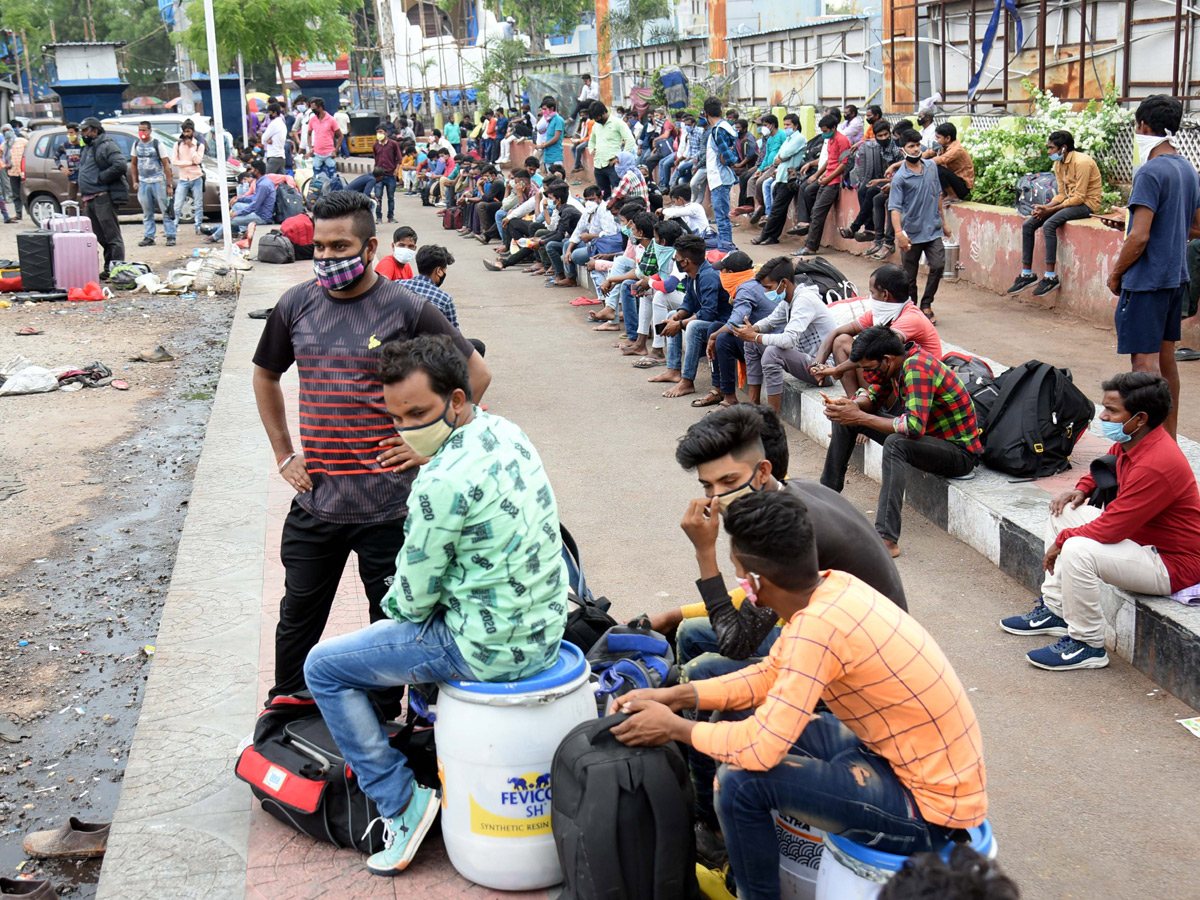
(1084, 566)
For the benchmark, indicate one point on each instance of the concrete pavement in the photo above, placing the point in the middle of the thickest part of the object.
(1090, 777)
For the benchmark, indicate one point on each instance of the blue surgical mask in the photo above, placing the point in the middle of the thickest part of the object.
(1115, 431)
(627, 231)
(775, 296)
(789, 131)
(1055, 157)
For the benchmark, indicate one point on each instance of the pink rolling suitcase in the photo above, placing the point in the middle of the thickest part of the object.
(65, 222)
(76, 256)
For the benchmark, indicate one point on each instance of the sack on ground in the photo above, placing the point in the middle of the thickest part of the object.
(295, 769)
(1035, 189)
(622, 818)
(976, 376)
(275, 248)
(1035, 421)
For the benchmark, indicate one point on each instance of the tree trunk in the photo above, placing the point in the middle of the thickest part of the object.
(279, 68)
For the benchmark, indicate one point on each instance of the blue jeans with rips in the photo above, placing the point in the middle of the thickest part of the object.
(342, 670)
(833, 782)
(324, 164)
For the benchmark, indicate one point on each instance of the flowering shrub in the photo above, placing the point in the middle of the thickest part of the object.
(1002, 156)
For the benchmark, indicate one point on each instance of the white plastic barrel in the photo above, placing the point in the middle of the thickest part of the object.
(800, 851)
(850, 871)
(495, 744)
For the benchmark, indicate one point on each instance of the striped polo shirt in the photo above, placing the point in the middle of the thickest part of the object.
(336, 345)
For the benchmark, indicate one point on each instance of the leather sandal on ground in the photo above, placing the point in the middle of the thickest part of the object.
(73, 840)
(28, 890)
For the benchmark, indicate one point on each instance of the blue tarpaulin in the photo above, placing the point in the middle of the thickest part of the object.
(166, 9)
(411, 101)
(454, 97)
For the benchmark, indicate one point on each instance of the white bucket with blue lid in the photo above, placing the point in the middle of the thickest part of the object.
(850, 871)
(496, 742)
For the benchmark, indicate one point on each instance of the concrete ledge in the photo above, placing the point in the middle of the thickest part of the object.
(1005, 520)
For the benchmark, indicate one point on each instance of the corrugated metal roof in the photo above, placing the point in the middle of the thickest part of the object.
(86, 44)
(813, 24)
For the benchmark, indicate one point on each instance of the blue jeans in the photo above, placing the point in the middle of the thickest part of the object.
(730, 349)
(696, 335)
(720, 205)
(340, 671)
(664, 167)
(768, 195)
(829, 780)
(237, 223)
(324, 164)
(554, 249)
(629, 309)
(196, 188)
(500, 230)
(388, 183)
(683, 172)
(150, 195)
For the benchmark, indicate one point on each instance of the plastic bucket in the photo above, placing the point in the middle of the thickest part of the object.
(496, 742)
(850, 871)
(800, 852)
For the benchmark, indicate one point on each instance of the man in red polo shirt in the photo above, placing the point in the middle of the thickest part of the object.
(1146, 539)
(398, 265)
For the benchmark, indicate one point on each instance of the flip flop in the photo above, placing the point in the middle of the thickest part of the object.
(121, 385)
(29, 330)
(585, 301)
(648, 362)
(1183, 354)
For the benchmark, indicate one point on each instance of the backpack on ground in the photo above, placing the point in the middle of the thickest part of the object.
(622, 818)
(317, 186)
(124, 275)
(628, 658)
(295, 769)
(832, 284)
(1035, 421)
(976, 376)
(288, 203)
(1035, 189)
(452, 218)
(276, 248)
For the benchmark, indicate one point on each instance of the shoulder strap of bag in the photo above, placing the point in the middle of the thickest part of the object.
(672, 830)
(1031, 425)
(1013, 379)
(603, 793)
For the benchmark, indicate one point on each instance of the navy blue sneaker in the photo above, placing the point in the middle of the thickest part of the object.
(1039, 621)
(1068, 653)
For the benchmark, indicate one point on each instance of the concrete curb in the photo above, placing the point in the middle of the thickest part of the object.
(181, 828)
(1005, 521)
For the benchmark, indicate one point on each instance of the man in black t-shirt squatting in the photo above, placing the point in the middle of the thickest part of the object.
(353, 472)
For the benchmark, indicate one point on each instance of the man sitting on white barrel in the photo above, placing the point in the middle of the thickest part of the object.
(897, 762)
(480, 591)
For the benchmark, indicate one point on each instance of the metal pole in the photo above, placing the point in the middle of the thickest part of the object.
(1083, 50)
(214, 85)
(1174, 64)
(971, 43)
(1042, 45)
(17, 60)
(1125, 52)
(245, 104)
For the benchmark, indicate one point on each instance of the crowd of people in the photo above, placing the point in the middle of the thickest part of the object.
(802, 656)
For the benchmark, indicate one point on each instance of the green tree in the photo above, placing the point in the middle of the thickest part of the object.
(501, 59)
(634, 24)
(540, 19)
(272, 30)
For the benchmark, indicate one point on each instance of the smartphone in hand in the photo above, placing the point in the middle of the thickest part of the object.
(658, 329)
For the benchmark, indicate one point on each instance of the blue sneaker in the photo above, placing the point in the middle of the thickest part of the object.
(1068, 653)
(402, 834)
(1039, 621)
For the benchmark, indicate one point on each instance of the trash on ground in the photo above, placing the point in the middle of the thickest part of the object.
(154, 355)
(1192, 724)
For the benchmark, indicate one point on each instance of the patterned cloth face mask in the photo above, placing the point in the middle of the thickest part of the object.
(340, 273)
(427, 439)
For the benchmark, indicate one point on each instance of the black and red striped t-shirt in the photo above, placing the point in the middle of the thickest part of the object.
(336, 345)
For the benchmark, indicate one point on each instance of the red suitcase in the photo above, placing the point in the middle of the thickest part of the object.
(76, 258)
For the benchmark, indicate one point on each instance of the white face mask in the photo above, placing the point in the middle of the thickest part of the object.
(589, 207)
(1146, 143)
(882, 313)
(403, 255)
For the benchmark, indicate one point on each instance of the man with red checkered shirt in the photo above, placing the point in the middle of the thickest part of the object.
(935, 430)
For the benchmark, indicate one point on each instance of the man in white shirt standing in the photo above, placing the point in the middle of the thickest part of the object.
(274, 139)
(300, 132)
(587, 94)
(343, 120)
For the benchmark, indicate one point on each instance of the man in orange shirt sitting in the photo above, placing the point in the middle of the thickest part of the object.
(399, 266)
(897, 761)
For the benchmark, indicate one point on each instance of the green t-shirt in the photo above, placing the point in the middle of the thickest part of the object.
(482, 543)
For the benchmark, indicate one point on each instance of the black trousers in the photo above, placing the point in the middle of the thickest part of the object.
(782, 196)
(606, 180)
(883, 221)
(952, 182)
(866, 206)
(487, 216)
(314, 554)
(103, 215)
(935, 257)
(817, 200)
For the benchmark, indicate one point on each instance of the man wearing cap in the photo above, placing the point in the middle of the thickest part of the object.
(751, 303)
(102, 188)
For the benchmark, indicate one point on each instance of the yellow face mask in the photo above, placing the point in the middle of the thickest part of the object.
(428, 439)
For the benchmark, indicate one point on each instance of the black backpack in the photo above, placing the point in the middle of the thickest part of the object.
(622, 818)
(832, 284)
(288, 203)
(295, 769)
(1037, 418)
(976, 376)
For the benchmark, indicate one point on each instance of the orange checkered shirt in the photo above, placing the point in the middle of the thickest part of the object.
(882, 675)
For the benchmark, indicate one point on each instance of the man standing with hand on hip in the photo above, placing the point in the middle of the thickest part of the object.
(919, 219)
(353, 472)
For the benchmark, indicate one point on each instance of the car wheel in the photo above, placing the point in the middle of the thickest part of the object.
(42, 207)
